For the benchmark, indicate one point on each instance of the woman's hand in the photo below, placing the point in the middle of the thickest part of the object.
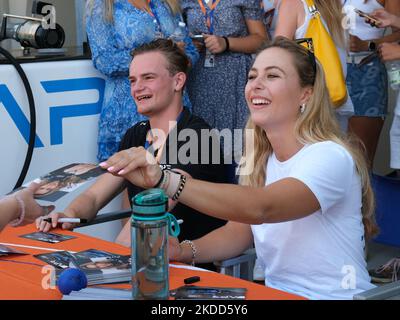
(357, 45)
(45, 226)
(32, 208)
(385, 19)
(136, 165)
(389, 51)
(214, 44)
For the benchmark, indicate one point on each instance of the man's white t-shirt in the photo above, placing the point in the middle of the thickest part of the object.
(320, 256)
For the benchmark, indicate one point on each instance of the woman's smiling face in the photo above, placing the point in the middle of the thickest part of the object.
(273, 91)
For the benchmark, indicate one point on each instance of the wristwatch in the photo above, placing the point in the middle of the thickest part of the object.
(371, 46)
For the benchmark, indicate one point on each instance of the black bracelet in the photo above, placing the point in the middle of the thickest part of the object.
(180, 188)
(226, 44)
(161, 179)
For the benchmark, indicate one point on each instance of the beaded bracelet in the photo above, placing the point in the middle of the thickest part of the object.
(193, 247)
(180, 188)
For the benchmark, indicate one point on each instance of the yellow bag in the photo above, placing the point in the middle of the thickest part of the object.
(327, 54)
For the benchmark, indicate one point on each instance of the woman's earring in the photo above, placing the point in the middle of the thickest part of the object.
(302, 108)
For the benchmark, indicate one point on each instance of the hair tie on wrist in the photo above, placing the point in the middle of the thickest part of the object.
(226, 44)
(160, 182)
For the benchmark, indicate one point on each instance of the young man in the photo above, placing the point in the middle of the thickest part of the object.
(173, 135)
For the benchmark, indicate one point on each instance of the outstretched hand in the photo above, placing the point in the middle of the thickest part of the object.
(136, 165)
(32, 208)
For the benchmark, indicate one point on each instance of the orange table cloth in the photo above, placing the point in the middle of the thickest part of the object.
(22, 277)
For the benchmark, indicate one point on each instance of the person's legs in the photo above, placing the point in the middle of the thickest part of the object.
(368, 130)
(368, 90)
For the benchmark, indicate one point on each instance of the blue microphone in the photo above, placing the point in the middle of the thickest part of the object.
(71, 279)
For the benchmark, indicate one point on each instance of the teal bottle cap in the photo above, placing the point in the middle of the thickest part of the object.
(151, 203)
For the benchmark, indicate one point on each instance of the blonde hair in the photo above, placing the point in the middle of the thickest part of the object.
(331, 11)
(109, 8)
(316, 124)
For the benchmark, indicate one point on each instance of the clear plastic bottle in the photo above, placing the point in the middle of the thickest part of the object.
(179, 33)
(150, 226)
(393, 69)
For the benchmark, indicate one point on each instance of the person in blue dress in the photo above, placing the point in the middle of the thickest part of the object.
(115, 28)
(233, 30)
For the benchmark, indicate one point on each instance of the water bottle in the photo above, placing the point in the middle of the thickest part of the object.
(150, 226)
(179, 33)
(393, 69)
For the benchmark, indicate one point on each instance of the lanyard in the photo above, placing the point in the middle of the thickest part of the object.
(209, 13)
(153, 13)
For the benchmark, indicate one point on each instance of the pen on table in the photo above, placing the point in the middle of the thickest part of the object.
(71, 220)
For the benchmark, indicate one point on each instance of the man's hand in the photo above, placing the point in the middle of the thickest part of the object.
(45, 226)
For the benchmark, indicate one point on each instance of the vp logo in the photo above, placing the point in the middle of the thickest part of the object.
(57, 113)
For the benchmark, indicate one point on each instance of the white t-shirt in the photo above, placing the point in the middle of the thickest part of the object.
(320, 256)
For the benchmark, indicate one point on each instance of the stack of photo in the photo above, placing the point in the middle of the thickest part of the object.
(100, 267)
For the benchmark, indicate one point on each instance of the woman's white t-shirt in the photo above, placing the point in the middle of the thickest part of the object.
(320, 256)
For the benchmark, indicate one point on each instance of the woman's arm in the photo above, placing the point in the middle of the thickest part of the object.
(21, 203)
(107, 57)
(9, 210)
(248, 44)
(225, 242)
(284, 200)
(290, 16)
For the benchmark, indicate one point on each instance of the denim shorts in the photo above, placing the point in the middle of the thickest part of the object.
(368, 88)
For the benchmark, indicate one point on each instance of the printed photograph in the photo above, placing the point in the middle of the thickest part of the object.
(47, 237)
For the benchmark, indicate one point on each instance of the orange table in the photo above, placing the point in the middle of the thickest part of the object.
(21, 276)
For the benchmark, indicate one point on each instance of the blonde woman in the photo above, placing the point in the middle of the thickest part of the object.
(293, 20)
(308, 203)
(115, 28)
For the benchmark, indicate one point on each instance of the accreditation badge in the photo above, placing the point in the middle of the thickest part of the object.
(209, 61)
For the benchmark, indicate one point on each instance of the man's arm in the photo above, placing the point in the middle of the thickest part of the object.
(87, 204)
